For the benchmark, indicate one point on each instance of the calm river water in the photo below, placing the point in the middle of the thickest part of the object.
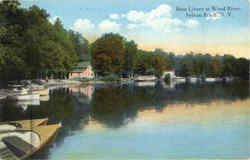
(144, 122)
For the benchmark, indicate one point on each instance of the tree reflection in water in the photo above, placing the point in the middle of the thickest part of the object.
(115, 105)
(59, 107)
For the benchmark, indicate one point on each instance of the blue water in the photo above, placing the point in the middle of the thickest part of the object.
(156, 142)
(189, 136)
(184, 122)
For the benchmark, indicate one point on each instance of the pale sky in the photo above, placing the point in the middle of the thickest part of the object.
(158, 24)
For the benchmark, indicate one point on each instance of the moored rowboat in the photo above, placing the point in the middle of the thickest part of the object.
(210, 79)
(24, 97)
(42, 92)
(35, 102)
(2, 97)
(20, 140)
(44, 98)
(46, 134)
(180, 79)
(145, 83)
(146, 78)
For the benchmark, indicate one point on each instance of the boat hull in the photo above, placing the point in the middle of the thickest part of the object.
(145, 83)
(213, 79)
(45, 132)
(42, 92)
(3, 97)
(145, 78)
(28, 124)
(25, 97)
(44, 98)
(180, 80)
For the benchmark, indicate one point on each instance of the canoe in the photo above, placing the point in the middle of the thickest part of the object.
(24, 97)
(146, 78)
(23, 142)
(42, 92)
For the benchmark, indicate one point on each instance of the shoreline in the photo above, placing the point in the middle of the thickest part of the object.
(57, 83)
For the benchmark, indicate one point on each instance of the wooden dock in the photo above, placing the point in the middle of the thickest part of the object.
(27, 124)
(46, 134)
(15, 148)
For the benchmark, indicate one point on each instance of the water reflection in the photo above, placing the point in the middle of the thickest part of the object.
(122, 103)
(83, 93)
(58, 106)
(217, 130)
(213, 114)
(113, 105)
(146, 84)
(166, 111)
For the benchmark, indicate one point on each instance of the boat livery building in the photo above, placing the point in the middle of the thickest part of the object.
(82, 71)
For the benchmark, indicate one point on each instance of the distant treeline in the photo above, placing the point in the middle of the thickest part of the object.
(205, 65)
(33, 47)
(113, 54)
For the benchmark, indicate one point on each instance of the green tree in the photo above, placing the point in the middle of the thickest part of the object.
(144, 62)
(229, 63)
(130, 57)
(169, 62)
(187, 66)
(217, 67)
(11, 58)
(82, 46)
(29, 43)
(242, 68)
(200, 65)
(108, 54)
(167, 79)
(159, 64)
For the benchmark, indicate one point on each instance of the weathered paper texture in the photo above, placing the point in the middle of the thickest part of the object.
(124, 80)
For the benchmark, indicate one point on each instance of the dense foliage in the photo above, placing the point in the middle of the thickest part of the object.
(113, 54)
(31, 45)
(156, 62)
(200, 65)
(108, 54)
(130, 57)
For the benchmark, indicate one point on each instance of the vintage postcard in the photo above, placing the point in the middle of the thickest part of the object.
(124, 80)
